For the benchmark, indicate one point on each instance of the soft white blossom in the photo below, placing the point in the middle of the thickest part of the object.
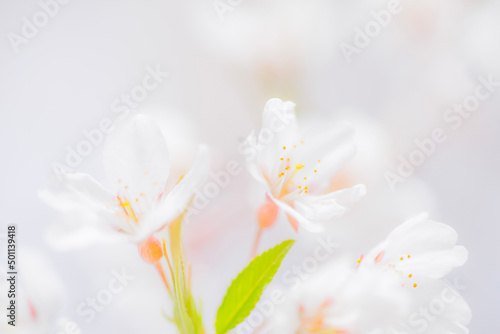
(295, 167)
(138, 203)
(396, 288)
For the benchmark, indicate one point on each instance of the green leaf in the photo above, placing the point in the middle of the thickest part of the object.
(246, 289)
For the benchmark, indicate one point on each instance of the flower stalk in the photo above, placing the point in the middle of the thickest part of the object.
(186, 313)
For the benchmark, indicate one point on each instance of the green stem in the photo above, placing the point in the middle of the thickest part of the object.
(187, 316)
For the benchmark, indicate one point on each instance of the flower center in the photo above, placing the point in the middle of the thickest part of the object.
(127, 208)
(316, 323)
(288, 177)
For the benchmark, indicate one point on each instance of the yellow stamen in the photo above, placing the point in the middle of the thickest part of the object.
(128, 209)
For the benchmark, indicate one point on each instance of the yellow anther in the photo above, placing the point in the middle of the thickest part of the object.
(414, 285)
(410, 275)
(299, 166)
(281, 159)
(284, 147)
(128, 210)
(315, 170)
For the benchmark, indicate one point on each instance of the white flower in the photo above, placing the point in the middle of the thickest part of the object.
(340, 300)
(418, 248)
(295, 168)
(421, 252)
(381, 295)
(137, 166)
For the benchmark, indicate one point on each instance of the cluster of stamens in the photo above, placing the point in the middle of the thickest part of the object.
(127, 208)
(379, 259)
(290, 180)
(409, 275)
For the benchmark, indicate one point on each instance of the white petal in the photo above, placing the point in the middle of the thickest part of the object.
(279, 130)
(326, 151)
(327, 206)
(306, 223)
(64, 238)
(178, 200)
(136, 160)
(84, 187)
(251, 151)
(431, 246)
(86, 199)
